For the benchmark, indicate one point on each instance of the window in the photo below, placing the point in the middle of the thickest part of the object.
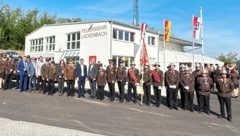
(36, 45)
(126, 36)
(151, 40)
(120, 35)
(123, 35)
(50, 43)
(114, 33)
(73, 41)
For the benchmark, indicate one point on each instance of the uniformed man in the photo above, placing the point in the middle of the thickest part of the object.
(101, 81)
(51, 77)
(157, 81)
(172, 81)
(111, 79)
(182, 93)
(196, 74)
(187, 83)
(133, 81)
(147, 80)
(225, 88)
(44, 70)
(204, 86)
(121, 79)
(70, 75)
(8, 71)
(2, 61)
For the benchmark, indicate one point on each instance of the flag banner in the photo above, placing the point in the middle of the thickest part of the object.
(143, 29)
(167, 30)
(144, 55)
(196, 27)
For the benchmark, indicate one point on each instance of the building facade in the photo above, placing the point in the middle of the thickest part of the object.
(101, 40)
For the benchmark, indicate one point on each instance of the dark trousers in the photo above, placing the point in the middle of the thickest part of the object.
(92, 84)
(132, 86)
(111, 87)
(204, 101)
(44, 85)
(198, 100)
(101, 92)
(225, 101)
(182, 93)
(23, 81)
(172, 99)
(70, 87)
(39, 83)
(81, 86)
(50, 86)
(7, 81)
(121, 85)
(157, 95)
(188, 97)
(60, 85)
(147, 94)
(17, 79)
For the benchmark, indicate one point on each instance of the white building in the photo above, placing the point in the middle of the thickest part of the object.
(104, 40)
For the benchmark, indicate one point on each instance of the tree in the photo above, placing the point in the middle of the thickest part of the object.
(230, 58)
(16, 23)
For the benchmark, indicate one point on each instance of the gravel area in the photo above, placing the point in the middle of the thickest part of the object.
(20, 128)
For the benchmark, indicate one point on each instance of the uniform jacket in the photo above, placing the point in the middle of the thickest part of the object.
(147, 77)
(101, 77)
(129, 78)
(70, 72)
(1, 66)
(52, 71)
(8, 67)
(121, 74)
(225, 88)
(204, 85)
(172, 78)
(234, 77)
(111, 73)
(196, 74)
(160, 74)
(44, 70)
(187, 79)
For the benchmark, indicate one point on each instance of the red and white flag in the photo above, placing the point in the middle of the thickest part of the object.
(143, 29)
(197, 22)
(144, 55)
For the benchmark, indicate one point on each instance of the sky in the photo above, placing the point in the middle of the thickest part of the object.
(221, 20)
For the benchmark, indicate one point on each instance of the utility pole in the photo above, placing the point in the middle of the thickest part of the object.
(135, 13)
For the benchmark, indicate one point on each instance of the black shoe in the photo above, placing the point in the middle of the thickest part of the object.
(229, 119)
(83, 95)
(176, 108)
(220, 116)
(208, 112)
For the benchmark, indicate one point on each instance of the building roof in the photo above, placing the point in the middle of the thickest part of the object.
(172, 40)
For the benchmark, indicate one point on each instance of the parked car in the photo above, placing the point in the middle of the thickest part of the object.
(12, 54)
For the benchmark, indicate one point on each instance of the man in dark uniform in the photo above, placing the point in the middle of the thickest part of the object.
(147, 79)
(111, 79)
(157, 81)
(225, 88)
(196, 74)
(121, 79)
(44, 70)
(133, 81)
(172, 81)
(204, 85)
(101, 81)
(8, 69)
(182, 73)
(187, 83)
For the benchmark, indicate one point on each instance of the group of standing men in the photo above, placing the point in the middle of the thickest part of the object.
(34, 74)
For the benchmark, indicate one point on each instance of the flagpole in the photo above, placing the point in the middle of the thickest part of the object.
(201, 30)
(164, 53)
(193, 47)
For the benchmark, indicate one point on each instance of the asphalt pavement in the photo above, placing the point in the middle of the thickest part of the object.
(110, 118)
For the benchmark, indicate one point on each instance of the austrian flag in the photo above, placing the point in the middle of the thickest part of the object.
(143, 29)
(196, 27)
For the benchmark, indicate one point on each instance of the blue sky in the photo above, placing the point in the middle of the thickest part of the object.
(220, 17)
